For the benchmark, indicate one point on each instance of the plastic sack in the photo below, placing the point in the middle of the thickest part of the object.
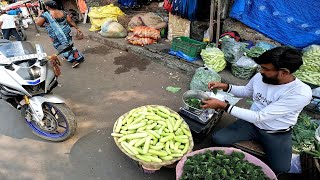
(295, 164)
(98, 15)
(202, 77)
(146, 32)
(246, 62)
(113, 30)
(232, 49)
(141, 41)
(264, 45)
(147, 19)
(213, 58)
(316, 101)
(244, 68)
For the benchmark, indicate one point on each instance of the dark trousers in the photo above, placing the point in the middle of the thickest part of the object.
(277, 146)
(7, 32)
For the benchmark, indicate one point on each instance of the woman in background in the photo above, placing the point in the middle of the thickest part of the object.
(58, 23)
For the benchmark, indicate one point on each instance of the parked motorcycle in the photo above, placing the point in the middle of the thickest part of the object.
(26, 81)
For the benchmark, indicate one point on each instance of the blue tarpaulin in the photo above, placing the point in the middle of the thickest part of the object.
(291, 22)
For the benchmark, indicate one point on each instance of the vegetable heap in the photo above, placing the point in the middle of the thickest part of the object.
(218, 165)
(310, 70)
(153, 134)
(303, 133)
(194, 102)
(316, 151)
(254, 52)
(213, 58)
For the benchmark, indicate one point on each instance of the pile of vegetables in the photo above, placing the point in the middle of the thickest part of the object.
(218, 165)
(244, 68)
(310, 70)
(202, 77)
(303, 133)
(213, 58)
(254, 52)
(153, 134)
(194, 102)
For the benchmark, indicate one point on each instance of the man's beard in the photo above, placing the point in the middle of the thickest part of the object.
(273, 81)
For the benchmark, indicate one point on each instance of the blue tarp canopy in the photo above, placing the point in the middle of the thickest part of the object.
(291, 22)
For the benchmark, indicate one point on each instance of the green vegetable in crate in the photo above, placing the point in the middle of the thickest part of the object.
(147, 133)
(218, 165)
(194, 102)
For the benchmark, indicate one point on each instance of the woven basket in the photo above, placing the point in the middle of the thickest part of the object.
(152, 165)
(243, 72)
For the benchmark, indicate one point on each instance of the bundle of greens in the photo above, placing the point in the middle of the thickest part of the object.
(303, 133)
(254, 52)
(218, 165)
(194, 102)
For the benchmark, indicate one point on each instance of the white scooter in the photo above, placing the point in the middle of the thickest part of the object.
(26, 82)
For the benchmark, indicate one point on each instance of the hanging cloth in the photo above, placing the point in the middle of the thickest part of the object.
(82, 6)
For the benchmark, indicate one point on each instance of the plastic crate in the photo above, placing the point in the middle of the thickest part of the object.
(188, 46)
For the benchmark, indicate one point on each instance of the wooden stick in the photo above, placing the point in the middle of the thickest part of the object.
(218, 23)
(211, 24)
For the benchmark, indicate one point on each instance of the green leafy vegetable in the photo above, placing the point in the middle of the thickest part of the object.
(194, 102)
(173, 89)
(218, 165)
(303, 133)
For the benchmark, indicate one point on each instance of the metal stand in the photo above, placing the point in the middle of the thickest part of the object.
(35, 25)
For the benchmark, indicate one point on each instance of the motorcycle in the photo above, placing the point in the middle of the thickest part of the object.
(27, 79)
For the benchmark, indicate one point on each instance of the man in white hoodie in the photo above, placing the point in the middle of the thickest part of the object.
(278, 98)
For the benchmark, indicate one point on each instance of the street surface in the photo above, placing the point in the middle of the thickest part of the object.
(109, 83)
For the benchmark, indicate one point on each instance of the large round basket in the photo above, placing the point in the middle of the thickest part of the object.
(152, 166)
(267, 171)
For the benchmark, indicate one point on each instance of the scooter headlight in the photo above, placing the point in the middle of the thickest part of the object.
(35, 72)
(30, 73)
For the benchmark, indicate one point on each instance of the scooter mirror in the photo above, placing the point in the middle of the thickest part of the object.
(64, 48)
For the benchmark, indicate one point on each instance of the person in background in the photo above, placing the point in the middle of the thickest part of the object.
(278, 98)
(8, 26)
(58, 23)
(14, 12)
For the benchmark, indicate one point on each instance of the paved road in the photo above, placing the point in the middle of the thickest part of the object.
(108, 84)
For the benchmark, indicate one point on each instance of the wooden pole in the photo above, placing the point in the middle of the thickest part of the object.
(218, 23)
(212, 21)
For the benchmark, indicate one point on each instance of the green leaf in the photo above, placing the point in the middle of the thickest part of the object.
(173, 89)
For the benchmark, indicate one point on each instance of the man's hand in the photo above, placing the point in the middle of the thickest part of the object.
(213, 104)
(218, 85)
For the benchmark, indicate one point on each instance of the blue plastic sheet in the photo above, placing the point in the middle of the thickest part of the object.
(291, 22)
(182, 55)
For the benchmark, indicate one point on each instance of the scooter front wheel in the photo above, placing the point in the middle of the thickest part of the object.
(59, 123)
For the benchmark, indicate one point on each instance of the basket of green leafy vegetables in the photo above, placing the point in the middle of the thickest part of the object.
(222, 163)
